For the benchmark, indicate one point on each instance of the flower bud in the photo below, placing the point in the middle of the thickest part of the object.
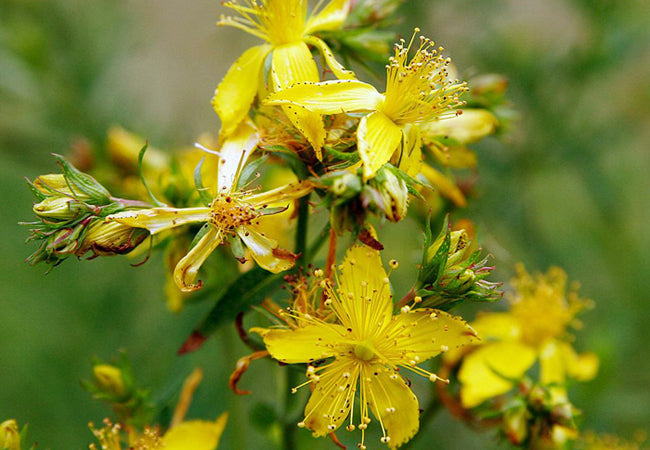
(60, 208)
(108, 380)
(9, 435)
(486, 84)
(451, 272)
(395, 195)
(470, 126)
(515, 425)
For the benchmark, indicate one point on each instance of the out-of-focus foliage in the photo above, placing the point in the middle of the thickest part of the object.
(569, 189)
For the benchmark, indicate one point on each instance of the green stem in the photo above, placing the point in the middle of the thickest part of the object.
(301, 232)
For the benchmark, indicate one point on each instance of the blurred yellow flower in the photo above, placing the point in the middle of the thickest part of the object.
(9, 435)
(368, 345)
(287, 28)
(417, 90)
(535, 329)
(187, 435)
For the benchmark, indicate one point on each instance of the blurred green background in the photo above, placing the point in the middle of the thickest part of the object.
(569, 185)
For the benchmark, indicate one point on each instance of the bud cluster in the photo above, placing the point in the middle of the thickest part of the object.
(452, 270)
(350, 198)
(71, 212)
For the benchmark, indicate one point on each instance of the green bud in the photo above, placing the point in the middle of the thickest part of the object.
(60, 208)
(395, 195)
(84, 183)
(108, 379)
(451, 272)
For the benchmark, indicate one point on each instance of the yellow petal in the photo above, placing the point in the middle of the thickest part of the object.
(159, 219)
(499, 326)
(293, 63)
(409, 156)
(282, 194)
(195, 435)
(470, 126)
(378, 138)
(301, 345)
(332, 397)
(236, 92)
(234, 153)
(478, 374)
(265, 250)
(425, 333)
(444, 185)
(329, 97)
(187, 269)
(559, 360)
(336, 67)
(329, 18)
(361, 275)
(392, 402)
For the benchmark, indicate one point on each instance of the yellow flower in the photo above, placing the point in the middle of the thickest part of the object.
(187, 435)
(366, 345)
(9, 435)
(231, 213)
(417, 90)
(287, 28)
(534, 329)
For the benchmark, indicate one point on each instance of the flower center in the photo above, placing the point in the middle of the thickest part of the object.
(228, 211)
(364, 351)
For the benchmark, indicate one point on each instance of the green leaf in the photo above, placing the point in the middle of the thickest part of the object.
(247, 290)
(83, 182)
(198, 182)
(142, 178)
(250, 169)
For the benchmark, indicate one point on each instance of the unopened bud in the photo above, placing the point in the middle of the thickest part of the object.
(489, 84)
(61, 208)
(9, 435)
(395, 195)
(515, 425)
(109, 380)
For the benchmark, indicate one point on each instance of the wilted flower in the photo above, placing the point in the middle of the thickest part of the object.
(365, 345)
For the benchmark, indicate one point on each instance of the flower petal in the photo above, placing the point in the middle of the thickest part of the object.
(234, 95)
(336, 67)
(293, 63)
(195, 435)
(392, 402)
(479, 374)
(409, 157)
(558, 360)
(234, 153)
(364, 291)
(265, 250)
(301, 345)
(497, 326)
(378, 138)
(187, 269)
(282, 194)
(424, 333)
(329, 18)
(470, 126)
(159, 219)
(329, 97)
(444, 185)
(332, 397)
